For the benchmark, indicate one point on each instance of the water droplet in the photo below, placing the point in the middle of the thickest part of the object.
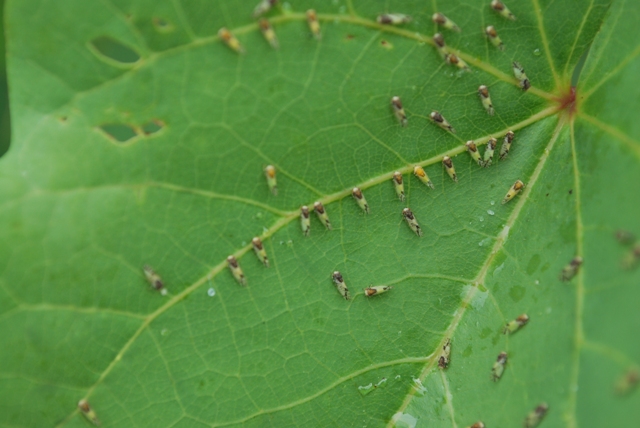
(537, 282)
(490, 212)
(211, 292)
(164, 332)
(290, 243)
(481, 218)
(537, 52)
(258, 215)
(484, 242)
(493, 202)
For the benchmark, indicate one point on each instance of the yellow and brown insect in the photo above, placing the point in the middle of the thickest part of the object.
(516, 324)
(360, 199)
(314, 25)
(230, 40)
(627, 382)
(305, 221)
(489, 151)
(419, 172)
(258, 248)
(513, 191)
(503, 10)
(473, 152)
(322, 214)
(445, 355)
(338, 281)
(498, 367)
(268, 33)
(88, 412)
(263, 7)
(154, 280)
(454, 59)
(398, 184)
(506, 144)
(483, 91)
(440, 45)
(521, 76)
(393, 19)
(270, 173)
(448, 166)
(570, 270)
(236, 270)
(411, 221)
(398, 110)
(439, 120)
(375, 290)
(478, 425)
(536, 416)
(445, 22)
(495, 40)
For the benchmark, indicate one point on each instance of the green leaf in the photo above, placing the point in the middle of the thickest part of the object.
(140, 138)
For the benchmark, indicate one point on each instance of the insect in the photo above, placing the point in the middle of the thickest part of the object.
(398, 110)
(340, 285)
(624, 236)
(473, 151)
(535, 417)
(230, 40)
(322, 214)
(268, 33)
(492, 34)
(305, 221)
(314, 25)
(439, 120)
(513, 326)
(443, 360)
(506, 144)
(440, 19)
(378, 289)
(360, 199)
(411, 221)
(270, 173)
(518, 72)
(483, 91)
(260, 251)
(503, 10)
(88, 412)
(418, 171)
(627, 382)
(448, 166)
(498, 367)
(441, 46)
(570, 270)
(477, 425)
(398, 184)
(263, 7)
(235, 269)
(454, 59)
(488, 152)
(513, 191)
(393, 19)
(154, 279)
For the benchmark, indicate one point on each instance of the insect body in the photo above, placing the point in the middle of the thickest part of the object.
(570, 270)
(506, 144)
(489, 151)
(492, 34)
(442, 20)
(498, 367)
(88, 412)
(534, 418)
(378, 289)
(439, 120)
(322, 214)
(340, 285)
(314, 25)
(448, 166)
(154, 279)
(360, 199)
(398, 110)
(270, 173)
(411, 221)
(441, 46)
(454, 59)
(260, 251)
(419, 172)
(443, 360)
(513, 326)
(477, 425)
(518, 72)
(473, 152)
(393, 19)
(230, 40)
(263, 7)
(268, 33)
(503, 10)
(483, 91)
(305, 221)
(627, 382)
(513, 191)
(236, 270)
(398, 184)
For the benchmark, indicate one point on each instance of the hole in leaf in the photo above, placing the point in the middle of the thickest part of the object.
(119, 132)
(152, 127)
(162, 25)
(115, 50)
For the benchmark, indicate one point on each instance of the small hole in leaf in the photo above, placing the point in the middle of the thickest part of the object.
(119, 132)
(115, 50)
(152, 127)
(162, 25)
